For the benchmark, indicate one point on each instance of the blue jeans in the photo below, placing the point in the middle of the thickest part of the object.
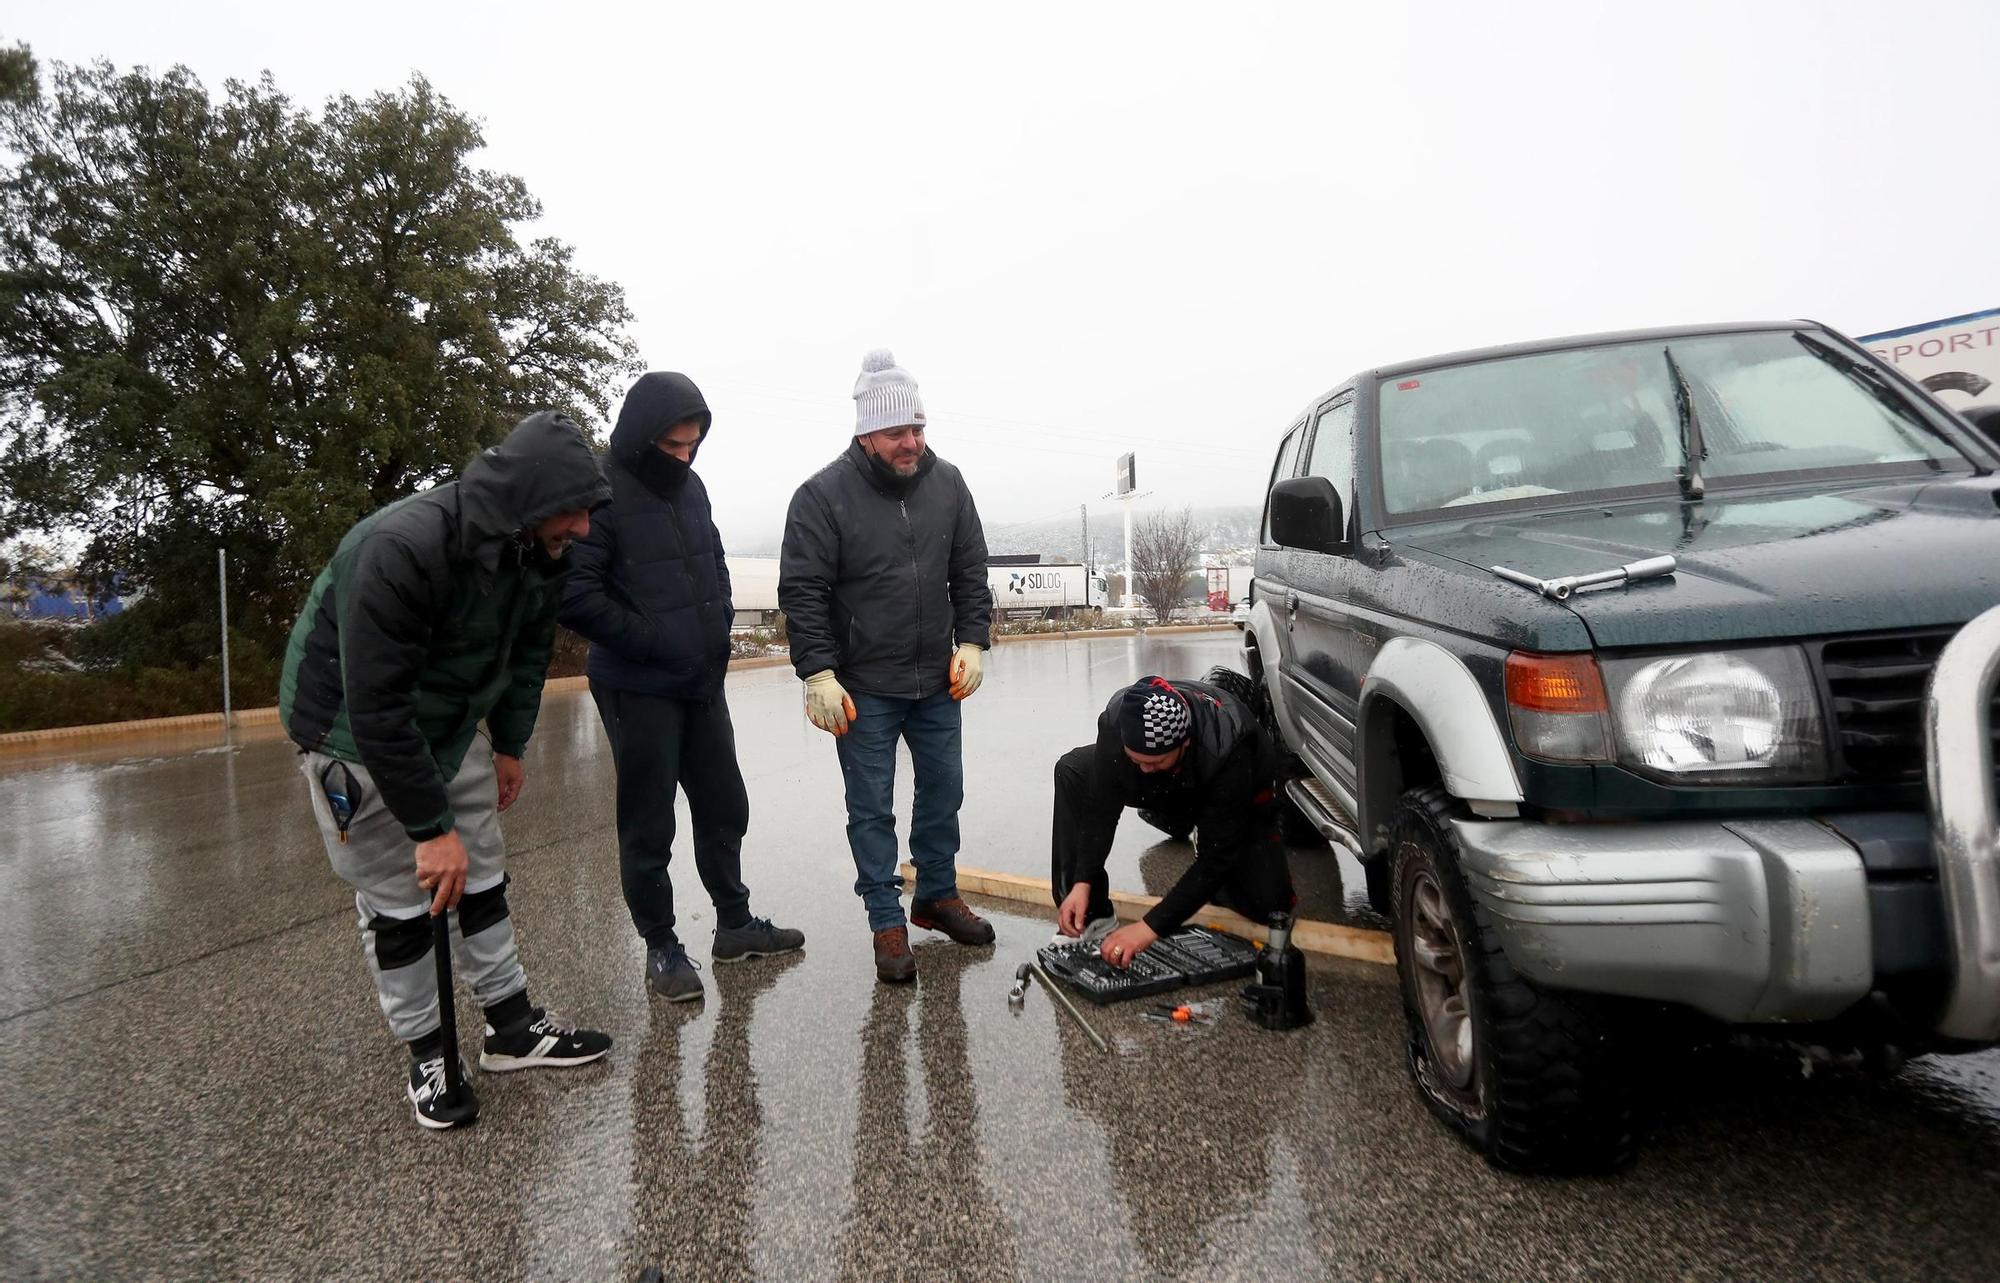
(868, 764)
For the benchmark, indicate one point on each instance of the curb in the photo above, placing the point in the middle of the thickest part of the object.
(1329, 939)
(20, 740)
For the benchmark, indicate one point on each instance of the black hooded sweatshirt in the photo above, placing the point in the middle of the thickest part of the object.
(436, 611)
(650, 589)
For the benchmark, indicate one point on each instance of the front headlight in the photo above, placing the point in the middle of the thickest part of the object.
(1728, 717)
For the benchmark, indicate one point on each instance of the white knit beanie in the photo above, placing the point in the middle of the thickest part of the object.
(885, 396)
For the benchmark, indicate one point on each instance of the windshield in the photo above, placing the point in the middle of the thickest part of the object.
(1606, 419)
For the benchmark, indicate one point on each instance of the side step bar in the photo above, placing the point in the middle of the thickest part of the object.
(1317, 802)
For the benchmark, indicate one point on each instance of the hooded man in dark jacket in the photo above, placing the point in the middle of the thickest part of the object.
(436, 612)
(650, 590)
(1193, 754)
(883, 585)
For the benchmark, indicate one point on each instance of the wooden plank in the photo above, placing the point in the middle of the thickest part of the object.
(1331, 939)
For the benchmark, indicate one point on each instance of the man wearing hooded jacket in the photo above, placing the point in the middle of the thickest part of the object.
(1194, 754)
(436, 612)
(883, 585)
(651, 592)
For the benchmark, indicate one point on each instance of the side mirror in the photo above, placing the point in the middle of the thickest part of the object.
(1305, 513)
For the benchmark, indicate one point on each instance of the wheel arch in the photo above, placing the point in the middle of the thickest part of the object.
(1424, 719)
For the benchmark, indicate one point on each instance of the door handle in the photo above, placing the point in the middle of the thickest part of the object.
(1292, 602)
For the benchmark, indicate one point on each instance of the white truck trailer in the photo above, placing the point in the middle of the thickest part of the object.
(1044, 589)
(753, 590)
(1020, 589)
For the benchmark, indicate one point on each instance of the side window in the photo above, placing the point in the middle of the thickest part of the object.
(1288, 456)
(1333, 455)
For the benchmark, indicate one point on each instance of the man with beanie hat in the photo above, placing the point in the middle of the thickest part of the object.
(883, 585)
(1195, 754)
(437, 612)
(651, 592)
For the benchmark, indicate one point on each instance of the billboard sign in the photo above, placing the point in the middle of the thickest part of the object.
(1958, 358)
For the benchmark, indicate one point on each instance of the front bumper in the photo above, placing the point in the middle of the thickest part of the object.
(1781, 919)
(1748, 921)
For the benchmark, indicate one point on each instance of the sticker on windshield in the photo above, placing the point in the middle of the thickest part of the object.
(1408, 385)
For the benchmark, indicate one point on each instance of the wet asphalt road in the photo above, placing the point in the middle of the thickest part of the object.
(195, 1082)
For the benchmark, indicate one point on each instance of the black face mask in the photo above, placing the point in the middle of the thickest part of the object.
(663, 472)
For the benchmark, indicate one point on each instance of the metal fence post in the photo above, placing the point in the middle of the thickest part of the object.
(222, 583)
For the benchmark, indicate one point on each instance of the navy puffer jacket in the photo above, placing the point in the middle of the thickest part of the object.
(649, 588)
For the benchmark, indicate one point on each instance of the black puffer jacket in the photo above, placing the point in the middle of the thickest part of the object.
(1225, 785)
(435, 612)
(881, 577)
(649, 587)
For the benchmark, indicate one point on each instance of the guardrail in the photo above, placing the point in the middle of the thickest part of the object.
(1965, 823)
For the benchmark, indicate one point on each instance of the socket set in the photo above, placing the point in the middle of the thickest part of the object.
(1190, 956)
(1208, 957)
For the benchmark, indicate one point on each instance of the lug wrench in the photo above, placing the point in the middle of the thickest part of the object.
(1063, 1000)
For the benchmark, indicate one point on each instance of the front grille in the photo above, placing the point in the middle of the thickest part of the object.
(1877, 687)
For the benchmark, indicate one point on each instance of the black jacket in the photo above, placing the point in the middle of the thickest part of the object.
(434, 613)
(1226, 784)
(649, 587)
(882, 577)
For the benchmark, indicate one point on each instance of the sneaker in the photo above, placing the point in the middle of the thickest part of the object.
(426, 1092)
(542, 1039)
(757, 938)
(671, 974)
(894, 963)
(952, 916)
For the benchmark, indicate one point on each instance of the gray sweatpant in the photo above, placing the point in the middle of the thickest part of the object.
(380, 862)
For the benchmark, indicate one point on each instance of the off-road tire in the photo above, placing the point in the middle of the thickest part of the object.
(1550, 1088)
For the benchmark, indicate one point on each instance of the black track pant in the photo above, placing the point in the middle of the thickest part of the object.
(658, 743)
(1256, 881)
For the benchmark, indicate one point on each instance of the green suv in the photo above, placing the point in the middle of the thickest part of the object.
(1644, 672)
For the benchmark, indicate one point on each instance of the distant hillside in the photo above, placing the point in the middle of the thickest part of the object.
(1230, 534)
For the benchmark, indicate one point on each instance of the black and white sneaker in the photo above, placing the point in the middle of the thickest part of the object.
(426, 1091)
(541, 1039)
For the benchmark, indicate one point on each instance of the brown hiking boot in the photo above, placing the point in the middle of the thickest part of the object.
(954, 917)
(894, 963)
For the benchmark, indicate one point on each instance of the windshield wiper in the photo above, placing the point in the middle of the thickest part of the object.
(1693, 449)
(1866, 375)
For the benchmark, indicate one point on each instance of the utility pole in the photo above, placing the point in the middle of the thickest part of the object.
(222, 584)
(1083, 513)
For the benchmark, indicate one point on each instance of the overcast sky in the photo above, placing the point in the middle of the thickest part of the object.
(1088, 228)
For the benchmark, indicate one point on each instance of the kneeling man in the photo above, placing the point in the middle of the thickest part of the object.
(1195, 754)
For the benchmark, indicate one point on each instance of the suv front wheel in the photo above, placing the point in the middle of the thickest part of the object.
(1531, 1077)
